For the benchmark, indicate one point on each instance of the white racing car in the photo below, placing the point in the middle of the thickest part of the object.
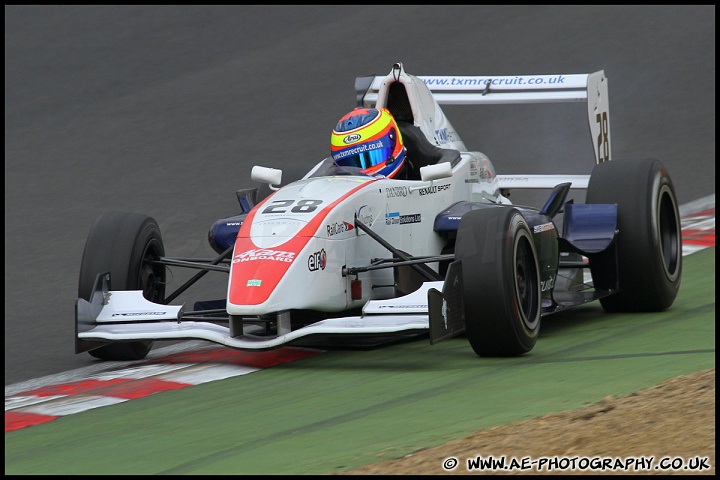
(341, 254)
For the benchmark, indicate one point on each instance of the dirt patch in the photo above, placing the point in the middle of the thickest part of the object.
(675, 419)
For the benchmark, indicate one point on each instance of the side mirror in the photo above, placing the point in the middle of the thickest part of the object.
(429, 173)
(271, 176)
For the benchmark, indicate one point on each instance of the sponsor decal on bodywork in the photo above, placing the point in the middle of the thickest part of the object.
(543, 227)
(394, 218)
(264, 254)
(284, 221)
(336, 228)
(484, 171)
(433, 189)
(548, 284)
(446, 136)
(365, 214)
(317, 260)
(392, 192)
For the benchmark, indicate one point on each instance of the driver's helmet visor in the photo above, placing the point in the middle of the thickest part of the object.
(366, 155)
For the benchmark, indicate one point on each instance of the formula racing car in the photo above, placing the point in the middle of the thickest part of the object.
(337, 253)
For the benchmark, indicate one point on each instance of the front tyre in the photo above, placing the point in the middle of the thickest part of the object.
(649, 239)
(501, 281)
(123, 243)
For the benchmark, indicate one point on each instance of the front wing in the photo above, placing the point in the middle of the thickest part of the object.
(122, 316)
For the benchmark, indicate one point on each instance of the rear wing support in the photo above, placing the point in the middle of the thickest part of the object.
(591, 88)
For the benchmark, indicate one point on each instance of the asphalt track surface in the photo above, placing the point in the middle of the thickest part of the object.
(164, 110)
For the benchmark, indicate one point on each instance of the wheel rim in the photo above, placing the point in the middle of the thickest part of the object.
(151, 276)
(669, 233)
(526, 282)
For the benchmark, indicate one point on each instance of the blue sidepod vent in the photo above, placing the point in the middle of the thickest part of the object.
(223, 233)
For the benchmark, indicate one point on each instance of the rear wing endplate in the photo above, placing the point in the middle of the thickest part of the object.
(591, 88)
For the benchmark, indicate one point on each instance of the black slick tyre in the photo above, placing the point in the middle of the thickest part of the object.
(648, 243)
(501, 281)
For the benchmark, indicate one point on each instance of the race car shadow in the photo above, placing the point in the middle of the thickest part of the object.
(571, 318)
(369, 342)
(552, 325)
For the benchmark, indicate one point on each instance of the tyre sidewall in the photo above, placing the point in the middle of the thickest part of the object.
(487, 246)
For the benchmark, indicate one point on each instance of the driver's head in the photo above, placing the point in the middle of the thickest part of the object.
(369, 139)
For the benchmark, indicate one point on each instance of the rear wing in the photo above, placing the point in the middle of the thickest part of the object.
(591, 88)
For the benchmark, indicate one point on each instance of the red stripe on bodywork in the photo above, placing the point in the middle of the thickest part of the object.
(18, 420)
(270, 272)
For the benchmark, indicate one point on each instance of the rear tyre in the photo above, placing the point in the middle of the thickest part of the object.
(501, 281)
(122, 243)
(649, 240)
